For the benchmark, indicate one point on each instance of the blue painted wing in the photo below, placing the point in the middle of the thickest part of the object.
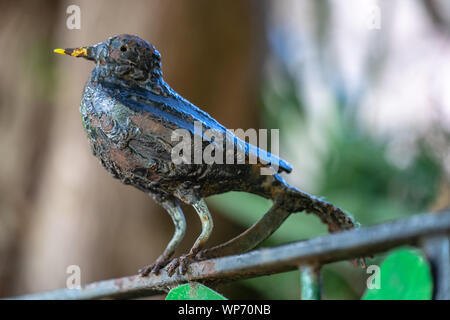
(180, 112)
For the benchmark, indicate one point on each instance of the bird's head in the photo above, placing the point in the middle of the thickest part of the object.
(126, 57)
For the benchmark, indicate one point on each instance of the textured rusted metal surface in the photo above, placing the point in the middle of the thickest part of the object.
(317, 251)
(130, 114)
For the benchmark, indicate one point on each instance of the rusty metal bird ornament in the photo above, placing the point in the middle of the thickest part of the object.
(130, 115)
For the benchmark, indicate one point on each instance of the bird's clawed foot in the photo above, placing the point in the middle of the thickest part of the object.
(153, 268)
(181, 264)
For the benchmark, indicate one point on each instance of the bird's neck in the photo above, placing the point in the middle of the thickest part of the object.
(153, 81)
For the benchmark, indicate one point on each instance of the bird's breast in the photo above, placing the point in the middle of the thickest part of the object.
(126, 142)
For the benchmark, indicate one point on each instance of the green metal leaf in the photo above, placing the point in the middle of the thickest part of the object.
(404, 275)
(193, 291)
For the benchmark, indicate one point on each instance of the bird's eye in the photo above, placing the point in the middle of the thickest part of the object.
(123, 48)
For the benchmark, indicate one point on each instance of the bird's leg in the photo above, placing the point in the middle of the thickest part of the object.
(179, 221)
(207, 226)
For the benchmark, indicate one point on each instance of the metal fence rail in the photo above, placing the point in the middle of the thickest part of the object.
(430, 231)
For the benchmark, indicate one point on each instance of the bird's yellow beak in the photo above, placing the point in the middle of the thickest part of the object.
(78, 52)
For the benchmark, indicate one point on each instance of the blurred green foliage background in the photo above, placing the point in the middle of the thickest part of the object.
(354, 170)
